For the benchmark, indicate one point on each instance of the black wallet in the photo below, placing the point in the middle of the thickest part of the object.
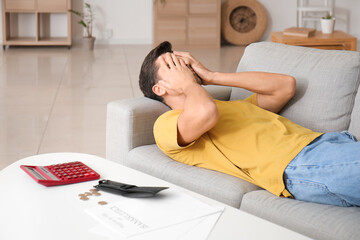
(128, 190)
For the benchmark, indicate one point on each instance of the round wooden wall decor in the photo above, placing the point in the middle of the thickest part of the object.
(243, 21)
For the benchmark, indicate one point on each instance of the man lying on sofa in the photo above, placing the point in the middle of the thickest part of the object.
(246, 138)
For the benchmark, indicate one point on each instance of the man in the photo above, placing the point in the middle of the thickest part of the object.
(246, 138)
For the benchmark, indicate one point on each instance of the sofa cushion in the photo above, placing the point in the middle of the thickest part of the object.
(327, 81)
(216, 185)
(355, 117)
(317, 221)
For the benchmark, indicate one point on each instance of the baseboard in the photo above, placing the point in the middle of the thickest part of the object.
(132, 41)
(135, 41)
(125, 41)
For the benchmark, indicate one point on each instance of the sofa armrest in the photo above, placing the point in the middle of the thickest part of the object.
(219, 92)
(129, 124)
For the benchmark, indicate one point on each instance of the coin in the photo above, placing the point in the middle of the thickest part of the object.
(88, 194)
(84, 198)
(96, 193)
(102, 203)
(81, 195)
(93, 190)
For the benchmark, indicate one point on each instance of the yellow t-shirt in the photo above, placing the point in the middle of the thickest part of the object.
(247, 142)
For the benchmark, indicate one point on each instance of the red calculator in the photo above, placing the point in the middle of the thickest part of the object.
(60, 174)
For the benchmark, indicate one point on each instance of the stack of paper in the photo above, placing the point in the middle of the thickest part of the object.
(171, 215)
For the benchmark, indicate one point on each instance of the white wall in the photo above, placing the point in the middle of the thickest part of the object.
(123, 21)
(130, 21)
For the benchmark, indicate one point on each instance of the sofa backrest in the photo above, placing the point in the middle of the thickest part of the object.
(327, 83)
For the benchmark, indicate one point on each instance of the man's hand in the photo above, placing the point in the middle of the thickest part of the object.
(273, 90)
(176, 76)
(204, 73)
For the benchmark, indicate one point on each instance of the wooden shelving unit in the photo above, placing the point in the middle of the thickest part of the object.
(38, 13)
(338, 40)
(187, 22)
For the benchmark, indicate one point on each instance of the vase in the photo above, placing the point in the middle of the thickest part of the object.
(327, 25)
(88, 43)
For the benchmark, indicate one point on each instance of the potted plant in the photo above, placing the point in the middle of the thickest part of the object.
(327, 24)
(87, 18)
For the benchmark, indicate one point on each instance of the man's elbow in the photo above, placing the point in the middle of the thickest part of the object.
(214, 112)
(210, 115)
(290, 86)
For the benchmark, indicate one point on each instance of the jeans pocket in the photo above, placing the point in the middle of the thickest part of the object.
(348, 134)
(310, 191)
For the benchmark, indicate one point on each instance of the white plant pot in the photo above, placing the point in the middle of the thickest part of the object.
(327, 25)
(88, 43)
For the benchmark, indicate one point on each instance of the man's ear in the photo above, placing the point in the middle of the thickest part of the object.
(159, 90)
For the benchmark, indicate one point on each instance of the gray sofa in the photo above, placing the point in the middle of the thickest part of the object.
(326, 100)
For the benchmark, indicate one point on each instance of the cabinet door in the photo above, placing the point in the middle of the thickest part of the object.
(19, 4)
(203, 31)
(204, 6)
(172, 30)
(52, 5)
(172, 7)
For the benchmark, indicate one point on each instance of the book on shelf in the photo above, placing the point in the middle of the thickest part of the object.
(299, 32)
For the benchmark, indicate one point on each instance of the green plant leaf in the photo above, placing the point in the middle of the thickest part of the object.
(82, 23)
(86, 18)
(76, 12)
(327, 17)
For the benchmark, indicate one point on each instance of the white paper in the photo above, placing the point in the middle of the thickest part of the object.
(198, 229)
(203, 228)
(133, 216)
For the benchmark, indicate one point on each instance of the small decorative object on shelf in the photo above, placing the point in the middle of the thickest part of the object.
(327, 24)
(87, 18)
(300, 32)
(243, 21)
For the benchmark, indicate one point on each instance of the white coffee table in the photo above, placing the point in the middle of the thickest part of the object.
(31, 211)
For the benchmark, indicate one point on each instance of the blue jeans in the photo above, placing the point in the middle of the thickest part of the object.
(327, 171)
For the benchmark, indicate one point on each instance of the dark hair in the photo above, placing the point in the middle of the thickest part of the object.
(148, 72)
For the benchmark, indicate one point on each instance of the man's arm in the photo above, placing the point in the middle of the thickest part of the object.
(200, 112)
(273, 90)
